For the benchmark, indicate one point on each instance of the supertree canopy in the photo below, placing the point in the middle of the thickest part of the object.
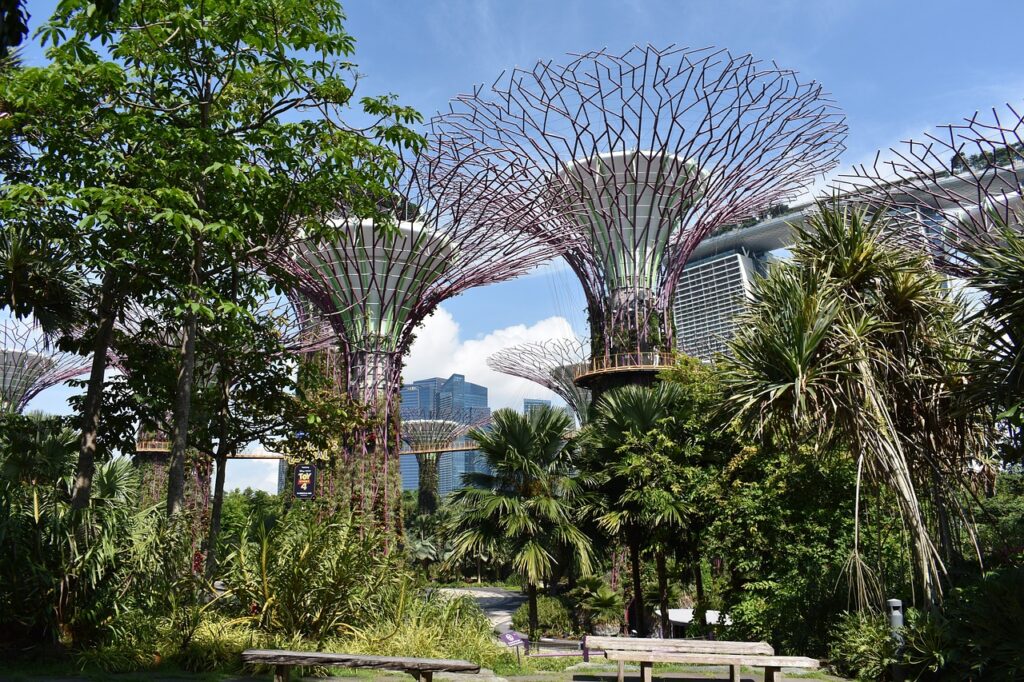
(30, 366)
(428, 440)
(954, 187)
(552, 364)
(457, 224)
(637, 158)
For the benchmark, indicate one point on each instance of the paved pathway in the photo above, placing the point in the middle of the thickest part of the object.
(498, 603)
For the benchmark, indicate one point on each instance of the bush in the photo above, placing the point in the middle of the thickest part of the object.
(553, 617)
(432, 626)
(313, 578)
(988, 621)
(862, 647)
(59, 569)
(929, 648)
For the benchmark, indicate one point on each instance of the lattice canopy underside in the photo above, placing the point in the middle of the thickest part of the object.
(462, 226)
(552, 364)
(28, 365)
(954, 187)
(638, 157)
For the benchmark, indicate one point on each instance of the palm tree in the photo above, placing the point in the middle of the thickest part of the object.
(636, 468)
(996, 269)
(529, 505)
(38, 279)
(859, 340)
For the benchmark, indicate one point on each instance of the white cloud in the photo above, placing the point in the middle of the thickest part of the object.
(439, 352)
(258, 474)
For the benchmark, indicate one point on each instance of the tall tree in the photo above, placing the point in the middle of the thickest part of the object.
(636, 472)
(858, 340)
(183, 138)
(530, 504)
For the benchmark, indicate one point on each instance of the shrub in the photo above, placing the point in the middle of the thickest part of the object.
(862, 647)
(553, 617)
(428, 626)
(58, 567)
(313, 578)
(988, 617)
(929, 647)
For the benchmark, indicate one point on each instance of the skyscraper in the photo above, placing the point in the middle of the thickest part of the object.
(531, 404)
(710, 293)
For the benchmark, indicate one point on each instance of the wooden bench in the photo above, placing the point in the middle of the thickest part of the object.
(647, 652)
(422, 669)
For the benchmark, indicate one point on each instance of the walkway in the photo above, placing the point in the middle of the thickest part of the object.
(497, 603)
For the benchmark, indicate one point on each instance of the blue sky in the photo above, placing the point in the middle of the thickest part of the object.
(895, 68)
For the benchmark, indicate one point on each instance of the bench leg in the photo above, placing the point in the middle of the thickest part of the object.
(734, 673)
(622, 671)
(646, 671)
(772, 674)
(282, 672)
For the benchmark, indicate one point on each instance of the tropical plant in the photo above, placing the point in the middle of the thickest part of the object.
(858, 341)
(863, 647)
(634, 463)
(598, 603)
(311, 577)
(529, 505)
(553, 618)
(995, 267)
(59, 564)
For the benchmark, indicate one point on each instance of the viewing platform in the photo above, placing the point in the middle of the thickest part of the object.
(588, 373)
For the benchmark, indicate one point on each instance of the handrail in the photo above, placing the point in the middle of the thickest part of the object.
(625, 362)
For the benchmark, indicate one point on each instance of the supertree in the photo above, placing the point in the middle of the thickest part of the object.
(954, 188)
(428, 439)
(637, 158)
(552, 364)
(31, 365)
(457, 225)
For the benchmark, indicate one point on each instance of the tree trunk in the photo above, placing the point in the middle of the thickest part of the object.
(698, 578)
(427, 497)
(183, 389)
(221, 459)
(638, 588)
(182, 413)
(183, 392)
(531, 596)
(94, 393)
(666, 625)
(224, 446)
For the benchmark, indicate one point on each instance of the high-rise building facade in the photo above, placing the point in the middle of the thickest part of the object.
(709, 295)
(531, 404)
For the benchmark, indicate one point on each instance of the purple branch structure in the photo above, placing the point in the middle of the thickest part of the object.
(31, 366)
(954, 188)
(636, 158)
(457, 224)
(552, 364)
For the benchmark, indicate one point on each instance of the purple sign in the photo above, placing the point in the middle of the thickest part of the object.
(513, 638)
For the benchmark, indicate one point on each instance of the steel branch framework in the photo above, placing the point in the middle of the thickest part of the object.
(552, 364)
(954, 187)
(459, 224)
(638, 157)
(428, 439)
(30, 365)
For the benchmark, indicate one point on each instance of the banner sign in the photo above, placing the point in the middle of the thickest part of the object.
(305, 481)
